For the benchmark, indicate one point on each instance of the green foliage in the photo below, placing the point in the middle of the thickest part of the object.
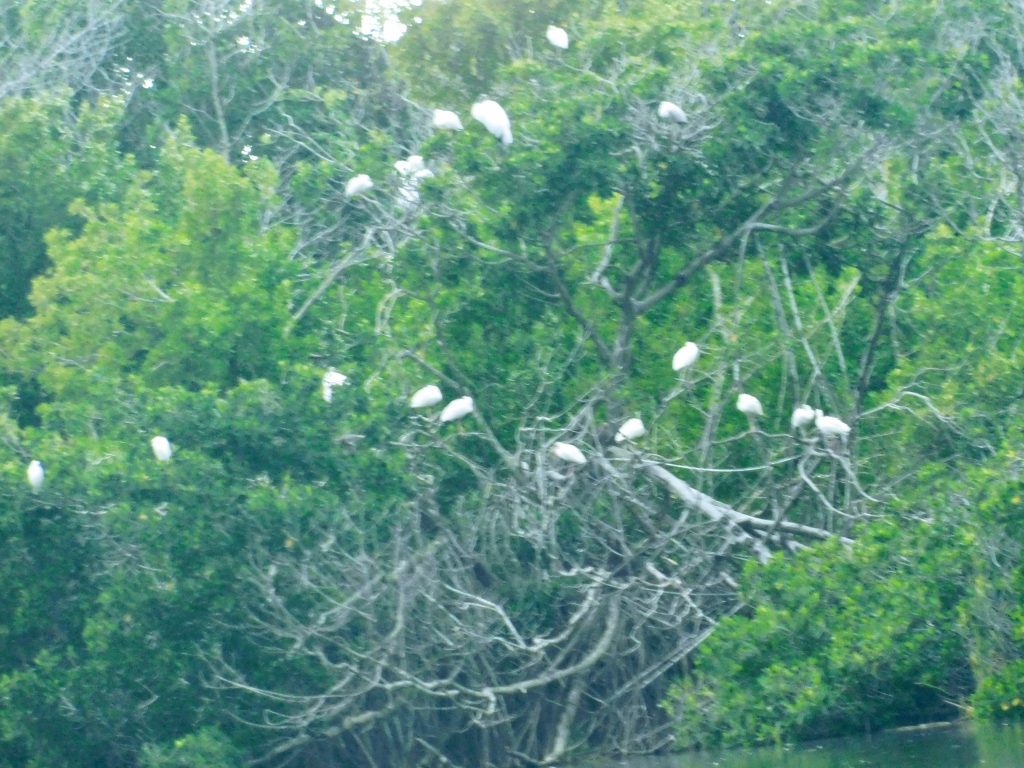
(166, 223)
(164, 315)
(48, 157)
(208, 748)
(997, 612)
(834, 640)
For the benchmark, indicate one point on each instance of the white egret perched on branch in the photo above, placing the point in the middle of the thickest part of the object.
(412, 170)
(749, 405)
(457, 408)
(830, 426)
(685, 356)
(568, 452)
(670, 111)
(161, 448)
(446, 120)
(35, 474)
(358, 185)
(410, 166)
(331, 380)
(426, 397)
(558, 37)
(494, 119)
(631, 429)
(803, 416)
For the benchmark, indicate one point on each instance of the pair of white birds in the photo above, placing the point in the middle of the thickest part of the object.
(413, 170)
(431, 395)
(487, 111)
(631, 429)
(36, 473)
(830, 426)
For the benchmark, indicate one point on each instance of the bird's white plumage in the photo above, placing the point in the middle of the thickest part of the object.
(558, 37)
(410, 166)
(830, 426)
(424, 397)
(457, 408)
(685, 356)
(749, 405)
(631, 429)
(35, 474)
(446, 120)
(803, 416)
(494, 119)
(161, 448)
(568, 452)
(667, 110)
(331, 379)
(413, 170)
(358, 185)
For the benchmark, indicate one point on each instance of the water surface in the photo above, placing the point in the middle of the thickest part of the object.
(960, 745)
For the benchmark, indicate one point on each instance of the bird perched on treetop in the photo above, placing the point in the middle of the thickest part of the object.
(830, 426)
(669, 111)
(457, 408)
(685, 356)
(446, 120)
(36, 474)
(749, 405)
(331, 379)
(494, 119)
(161, 448)
(558, 37)
(426, 397)
(358, 185)
(568, 452)
(631, 429)
(410, 166)
(802, 416)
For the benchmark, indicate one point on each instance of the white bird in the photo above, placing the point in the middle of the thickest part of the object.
(425, 397)
(631, 429)
(410, 166)
(669, 111)
(685, 356)
(161, 448)
(749, 405)
(457, 408)
(494, 119)
(830, 426)
(413, 171)
(446, 120)
(35, 474)
(802, 416)
(358, 185)
(568, 452)
(558, 37)
(331, 380)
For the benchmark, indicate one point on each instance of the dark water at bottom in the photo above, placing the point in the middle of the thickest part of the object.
(960, 745)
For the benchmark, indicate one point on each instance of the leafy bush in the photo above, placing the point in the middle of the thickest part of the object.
(207, 748)
(835, 640)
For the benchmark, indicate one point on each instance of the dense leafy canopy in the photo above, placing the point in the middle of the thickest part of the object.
(838, 222)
